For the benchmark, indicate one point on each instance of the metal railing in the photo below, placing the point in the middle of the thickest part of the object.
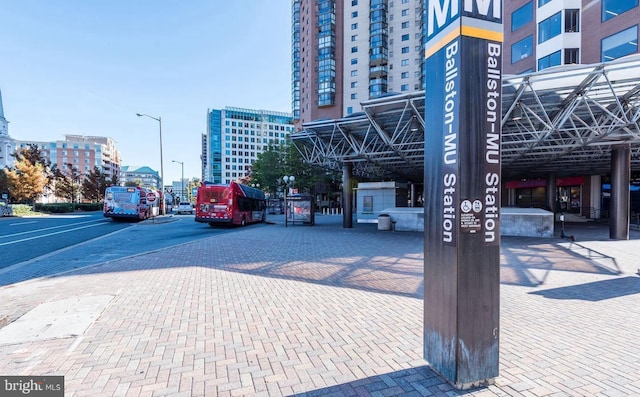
(634, 220)
(6, 210)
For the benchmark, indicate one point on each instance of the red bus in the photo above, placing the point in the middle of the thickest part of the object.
(232, 204)
(121, 202)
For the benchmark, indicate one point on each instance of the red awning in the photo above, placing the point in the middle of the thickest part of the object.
(526, 183)
(570, 181)
(530, 183)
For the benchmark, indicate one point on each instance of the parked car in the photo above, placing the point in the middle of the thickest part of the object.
(184, 207)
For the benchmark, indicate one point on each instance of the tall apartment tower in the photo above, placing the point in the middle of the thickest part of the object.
(545, 33)
(345, 52)
(317, 54)
(236, 136)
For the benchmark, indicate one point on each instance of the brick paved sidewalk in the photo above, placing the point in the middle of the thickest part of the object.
(323, 310)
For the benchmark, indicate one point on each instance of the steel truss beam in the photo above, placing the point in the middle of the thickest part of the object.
(571, 117)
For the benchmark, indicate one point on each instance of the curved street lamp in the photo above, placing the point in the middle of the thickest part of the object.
(182, 194)
(159, 120)
(287, 179)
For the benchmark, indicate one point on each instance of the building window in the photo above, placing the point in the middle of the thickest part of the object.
(354, 37)
(542, 2)
(354, 61)
(521, 16)
(405, 37)
(613, 8)
(405, 50)
(404, 62)
(550, 60)
(571, 56)
(549, 28)
(404, 75)
(405, 25)
(354, 84)
(405, 12)
(354, 49)
(354, 73)
(620, 44)
(522, 49)
(354, 2)
(354, 26)
(354, 14)
(404, 87)
(354, 96)
(571, 20)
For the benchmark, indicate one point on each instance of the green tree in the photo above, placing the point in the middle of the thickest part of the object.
(280, 160)
(134, 183)
(27, 180)
(68, 183)
(33, 155)
(306, 175)
(269, 168)
(114, 181)
(194, 182)
(94, 185)
(4, 186)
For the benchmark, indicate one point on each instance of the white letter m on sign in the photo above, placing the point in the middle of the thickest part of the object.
(483, 7)
(437, 13)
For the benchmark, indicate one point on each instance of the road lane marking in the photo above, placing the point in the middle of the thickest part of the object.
(48, 234)
(54, 253)
(51, 228)
(22, 223)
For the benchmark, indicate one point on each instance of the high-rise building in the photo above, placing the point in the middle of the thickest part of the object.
(345, 52)
(80, 152)
(236, 136)
(204, 157)
(545, 33)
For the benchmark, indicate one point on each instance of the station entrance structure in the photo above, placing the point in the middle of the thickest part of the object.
(560, 121)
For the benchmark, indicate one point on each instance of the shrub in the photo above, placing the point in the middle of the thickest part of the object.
(22, 209)
(55, 208)
(89, 206)
(61, 208)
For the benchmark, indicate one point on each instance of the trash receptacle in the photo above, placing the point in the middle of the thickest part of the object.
(384, 222)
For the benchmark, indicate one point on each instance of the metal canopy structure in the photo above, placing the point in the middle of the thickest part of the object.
(564, 120)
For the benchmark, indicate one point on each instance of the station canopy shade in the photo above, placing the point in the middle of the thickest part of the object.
(563, 119)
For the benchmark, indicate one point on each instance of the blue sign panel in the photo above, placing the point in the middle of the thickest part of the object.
(462, 188)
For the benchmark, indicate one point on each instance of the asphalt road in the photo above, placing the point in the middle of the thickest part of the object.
(26, 238)
(35, 247)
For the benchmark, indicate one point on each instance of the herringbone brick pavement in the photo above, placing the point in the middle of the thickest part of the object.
(322, 310)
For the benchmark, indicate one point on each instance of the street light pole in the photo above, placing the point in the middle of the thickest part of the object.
(182, 179)
(159, 120)
(286, 179)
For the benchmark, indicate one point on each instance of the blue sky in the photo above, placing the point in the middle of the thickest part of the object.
(87, 67)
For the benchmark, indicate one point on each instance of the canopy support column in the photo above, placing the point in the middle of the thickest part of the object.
(551, 192)
(347, 196)
(620, 177)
